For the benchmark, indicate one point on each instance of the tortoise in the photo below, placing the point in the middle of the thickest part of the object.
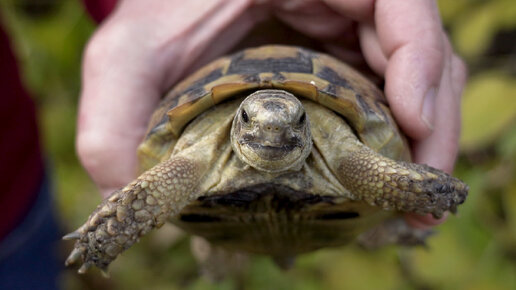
(274, 150)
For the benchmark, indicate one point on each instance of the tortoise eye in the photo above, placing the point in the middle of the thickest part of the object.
(302, 119)
(244, 116)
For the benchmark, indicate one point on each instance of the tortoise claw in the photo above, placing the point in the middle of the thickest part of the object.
(72, 236)
(74, 256)
(453, 209)
(85, 267)
(437, 215)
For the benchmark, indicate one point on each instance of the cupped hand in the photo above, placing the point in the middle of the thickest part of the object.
(140, 51)
(404, 42)
(144, 47)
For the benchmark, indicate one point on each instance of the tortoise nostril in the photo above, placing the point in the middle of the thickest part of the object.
(272, 128)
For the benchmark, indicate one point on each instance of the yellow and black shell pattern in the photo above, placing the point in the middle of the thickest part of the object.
(302, 72)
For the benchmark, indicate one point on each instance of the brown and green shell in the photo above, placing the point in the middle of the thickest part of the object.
(305, 73)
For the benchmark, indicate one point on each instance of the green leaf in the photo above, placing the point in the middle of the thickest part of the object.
(489, 107)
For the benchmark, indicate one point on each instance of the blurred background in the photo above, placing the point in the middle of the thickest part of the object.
(474, 250)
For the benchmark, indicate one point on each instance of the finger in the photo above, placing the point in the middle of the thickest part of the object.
(312, 17)
(371, 48)
(410, 35)
(230, 36)
(424, 221)
(357, 10)
(440, 148)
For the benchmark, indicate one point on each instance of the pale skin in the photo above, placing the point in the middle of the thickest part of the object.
(145, 47)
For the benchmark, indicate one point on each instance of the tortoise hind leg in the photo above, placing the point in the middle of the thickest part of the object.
(393, 231)
(403, 186)
(217, 263)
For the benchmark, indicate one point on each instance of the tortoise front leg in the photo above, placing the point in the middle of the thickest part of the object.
(133, 211)
(397, 185)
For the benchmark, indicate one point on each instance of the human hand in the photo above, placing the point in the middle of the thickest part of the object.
(138, 53)
(144, 48)
(404, 42)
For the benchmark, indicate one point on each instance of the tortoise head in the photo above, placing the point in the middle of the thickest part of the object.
(271, 131)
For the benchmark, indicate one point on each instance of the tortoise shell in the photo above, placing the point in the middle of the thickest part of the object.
(302, 72)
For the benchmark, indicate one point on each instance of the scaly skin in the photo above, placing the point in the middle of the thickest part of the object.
(401, 186)
(133, 211)
(379, 180)
(147, 202)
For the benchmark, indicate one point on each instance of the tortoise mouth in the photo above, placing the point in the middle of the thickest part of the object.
(272, 156)
(272, 152)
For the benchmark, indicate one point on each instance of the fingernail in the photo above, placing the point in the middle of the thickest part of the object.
(428, 111)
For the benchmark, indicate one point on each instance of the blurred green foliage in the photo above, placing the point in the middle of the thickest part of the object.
(474, 250)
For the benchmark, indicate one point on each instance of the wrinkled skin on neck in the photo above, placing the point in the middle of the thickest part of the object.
(271, 131)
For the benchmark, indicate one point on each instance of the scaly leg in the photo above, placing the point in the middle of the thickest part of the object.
(133, 211)
(403, 186)
(381, 181)
(158, 193)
